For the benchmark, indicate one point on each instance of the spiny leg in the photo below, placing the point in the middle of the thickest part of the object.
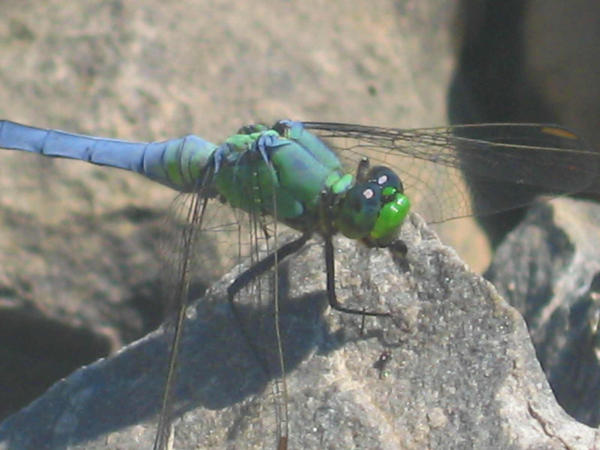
(327, 199)
(265, 264)
(256, 270)
(331, 295)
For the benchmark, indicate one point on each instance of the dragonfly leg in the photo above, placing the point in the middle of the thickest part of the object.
(331, 297)
(249, 275)
(265, 264)
(327, 200)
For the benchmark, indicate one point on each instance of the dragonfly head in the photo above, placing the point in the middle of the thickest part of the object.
(373, 210)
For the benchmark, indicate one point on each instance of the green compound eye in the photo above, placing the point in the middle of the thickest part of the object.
(358, 210)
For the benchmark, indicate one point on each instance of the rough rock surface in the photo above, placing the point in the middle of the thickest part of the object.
(463, 371)
(549, 269)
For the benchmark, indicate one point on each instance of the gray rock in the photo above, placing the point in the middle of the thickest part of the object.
(549, 269)
(462, 373)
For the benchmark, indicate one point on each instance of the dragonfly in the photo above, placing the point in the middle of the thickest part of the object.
(324, 179)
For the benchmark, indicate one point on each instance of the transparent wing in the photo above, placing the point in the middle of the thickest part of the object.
(505, 165)
(237, 236)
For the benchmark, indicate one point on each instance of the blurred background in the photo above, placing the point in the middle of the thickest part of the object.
(81, 247)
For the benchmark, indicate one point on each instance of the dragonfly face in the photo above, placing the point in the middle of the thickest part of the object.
(373, 210)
